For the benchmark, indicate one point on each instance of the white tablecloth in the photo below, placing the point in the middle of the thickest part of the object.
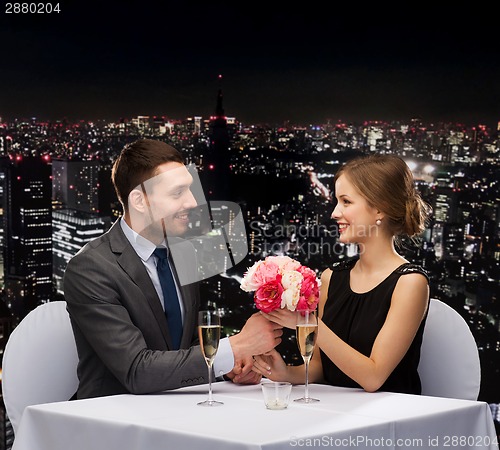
(343, 418)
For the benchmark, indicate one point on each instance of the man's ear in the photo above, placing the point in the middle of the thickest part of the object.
(137, 201)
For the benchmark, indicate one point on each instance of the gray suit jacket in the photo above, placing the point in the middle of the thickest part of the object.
(119, 325)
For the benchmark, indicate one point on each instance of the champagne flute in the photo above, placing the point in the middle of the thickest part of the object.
(307, 332)
(209, 330)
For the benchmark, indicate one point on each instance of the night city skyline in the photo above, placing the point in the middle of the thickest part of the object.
(282, 179)
(107, 60)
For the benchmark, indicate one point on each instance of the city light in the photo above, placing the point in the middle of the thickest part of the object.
(412, 165)
(428, 169)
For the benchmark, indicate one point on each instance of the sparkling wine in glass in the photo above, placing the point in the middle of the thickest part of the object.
(306, 332)
(209, 330)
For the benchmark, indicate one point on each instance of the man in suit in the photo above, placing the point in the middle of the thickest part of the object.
(115, 298)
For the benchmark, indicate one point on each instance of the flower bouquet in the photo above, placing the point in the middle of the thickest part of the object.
(282, 282)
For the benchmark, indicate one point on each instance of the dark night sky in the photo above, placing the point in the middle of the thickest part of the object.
(306, 64)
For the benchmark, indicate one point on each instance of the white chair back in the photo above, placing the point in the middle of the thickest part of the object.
(449, 359)
(39, 361)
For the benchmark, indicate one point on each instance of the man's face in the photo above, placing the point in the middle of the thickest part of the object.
(168, 200)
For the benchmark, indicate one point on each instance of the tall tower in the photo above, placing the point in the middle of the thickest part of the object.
(447, 235)
(4, 164)
(28, 233)
(216, 167)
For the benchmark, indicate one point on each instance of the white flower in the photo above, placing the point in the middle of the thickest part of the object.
(247, 284)
(291, 282)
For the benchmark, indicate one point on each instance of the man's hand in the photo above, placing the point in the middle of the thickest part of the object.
(242, 373)
(257, 336)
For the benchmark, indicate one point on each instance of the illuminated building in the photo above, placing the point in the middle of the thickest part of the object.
(72, 229)
(28, 233)
(75, 184)
(4, 162)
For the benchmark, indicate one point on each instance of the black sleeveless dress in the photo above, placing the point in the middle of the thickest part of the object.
(357, 319)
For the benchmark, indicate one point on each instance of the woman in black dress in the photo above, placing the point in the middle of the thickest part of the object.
(372, 308)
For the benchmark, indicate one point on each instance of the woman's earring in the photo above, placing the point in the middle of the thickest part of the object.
(378, 222)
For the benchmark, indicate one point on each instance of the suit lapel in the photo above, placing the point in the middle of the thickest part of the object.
(131, 263)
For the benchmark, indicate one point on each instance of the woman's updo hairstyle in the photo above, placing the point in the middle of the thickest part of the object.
(386, 182)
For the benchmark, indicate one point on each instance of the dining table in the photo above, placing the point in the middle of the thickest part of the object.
(343, 418)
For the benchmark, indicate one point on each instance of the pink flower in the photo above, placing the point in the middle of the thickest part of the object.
(309, 290)
(248, 284)
(281, 282)
(268, 296)
(266, 272)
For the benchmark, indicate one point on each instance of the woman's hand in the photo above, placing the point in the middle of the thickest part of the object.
(271, 365)
(283, 317)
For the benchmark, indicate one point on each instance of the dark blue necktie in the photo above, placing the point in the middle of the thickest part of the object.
(170, 298)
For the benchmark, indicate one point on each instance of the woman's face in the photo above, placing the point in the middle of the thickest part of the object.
(354, 215)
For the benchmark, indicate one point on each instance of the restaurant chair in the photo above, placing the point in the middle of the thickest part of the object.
(39, 361)
(449, 359)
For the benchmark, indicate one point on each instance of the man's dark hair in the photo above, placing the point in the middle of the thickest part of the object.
(138, 162)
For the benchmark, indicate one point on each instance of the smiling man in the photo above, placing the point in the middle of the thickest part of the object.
(135, 332)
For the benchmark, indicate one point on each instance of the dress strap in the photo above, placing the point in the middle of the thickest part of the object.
(343, 265)
(403, 269)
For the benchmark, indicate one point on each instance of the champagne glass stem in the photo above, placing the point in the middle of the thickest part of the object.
(306, 394)
(210, 399)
